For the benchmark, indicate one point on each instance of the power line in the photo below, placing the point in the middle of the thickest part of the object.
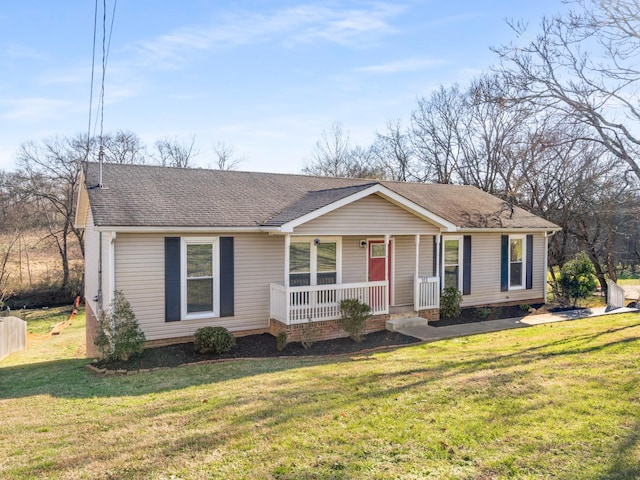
(93, 65)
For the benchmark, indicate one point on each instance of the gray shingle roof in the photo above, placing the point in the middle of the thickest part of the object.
(312, 201)
(151, 196)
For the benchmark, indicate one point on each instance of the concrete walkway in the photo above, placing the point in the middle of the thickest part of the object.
(417, 327)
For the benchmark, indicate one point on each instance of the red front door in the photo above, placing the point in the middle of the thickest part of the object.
(377, 261)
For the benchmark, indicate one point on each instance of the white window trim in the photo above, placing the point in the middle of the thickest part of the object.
(314, 256)
(460, 240)
(183, 277)
(523, 239)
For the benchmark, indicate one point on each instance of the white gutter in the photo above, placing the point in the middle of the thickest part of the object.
(161, 229)
(509, 230)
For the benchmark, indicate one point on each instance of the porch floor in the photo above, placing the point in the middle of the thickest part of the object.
(402, 311)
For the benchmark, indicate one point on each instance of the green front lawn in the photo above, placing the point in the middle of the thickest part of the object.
(557, 401)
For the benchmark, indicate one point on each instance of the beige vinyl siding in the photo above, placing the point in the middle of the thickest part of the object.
(372, 215)
(91, 245)
(258, 258)
(485, 272)
(426, 256)
(354, 263)
(354, 260)
(404, 269)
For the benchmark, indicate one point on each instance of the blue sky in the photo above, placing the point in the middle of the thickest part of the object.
(265, 77)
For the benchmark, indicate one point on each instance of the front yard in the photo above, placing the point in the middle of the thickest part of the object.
(555, 401)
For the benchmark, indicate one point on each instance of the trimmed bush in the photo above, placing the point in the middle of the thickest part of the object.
(450, 301)
(213, 340)
(281, 341)
(308, 334)
(119, 336)
(354, 318)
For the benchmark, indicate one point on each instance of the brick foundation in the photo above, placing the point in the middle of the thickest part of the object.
(323, 330)
(431, 315)
(91, 330)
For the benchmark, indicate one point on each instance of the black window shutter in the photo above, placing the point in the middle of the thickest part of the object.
(504, 264)
(466, 266)
(226, 277)
(435, 256)
(171, 279)
(529, 273)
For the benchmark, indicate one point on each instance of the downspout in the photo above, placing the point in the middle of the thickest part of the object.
(99, 295)
(386, 270)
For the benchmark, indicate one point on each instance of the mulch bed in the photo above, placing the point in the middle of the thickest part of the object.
(474, 314)
(264, 345)
(255, 346)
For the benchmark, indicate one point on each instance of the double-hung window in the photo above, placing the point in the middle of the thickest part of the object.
(452, 263)
(517, 255)
(516, 262)
(314, 262)
(200, 277)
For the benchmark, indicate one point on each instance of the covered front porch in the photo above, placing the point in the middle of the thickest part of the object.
(396, 272)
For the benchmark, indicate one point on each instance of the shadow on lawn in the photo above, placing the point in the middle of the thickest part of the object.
(302, 395)
(70, 379)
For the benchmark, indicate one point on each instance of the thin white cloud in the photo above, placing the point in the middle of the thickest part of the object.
(33, 109)
(22, 52)
(71, 76)
(353, 27)
(452, 19)
(406, 65)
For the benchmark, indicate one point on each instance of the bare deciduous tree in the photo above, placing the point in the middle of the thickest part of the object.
(584, 66)
(226, 157)
(5, 253)
(333, 156)
(393, 153)
(172, 152)
(330, 156)
(50, 171)
(437, 127)
(124, 147)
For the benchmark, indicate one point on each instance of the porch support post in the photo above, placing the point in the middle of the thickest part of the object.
(287, 297)
(386, 268)
(416, 278)
(287, 249)
(438, 253)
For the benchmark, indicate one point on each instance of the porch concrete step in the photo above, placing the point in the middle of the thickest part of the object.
(397, 313)
(396, 324)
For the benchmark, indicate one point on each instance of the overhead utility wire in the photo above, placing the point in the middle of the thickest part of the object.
(106, 45)
(93, 67)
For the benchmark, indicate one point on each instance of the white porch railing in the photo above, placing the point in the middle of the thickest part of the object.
(427, 292)
(322, 302)
(616, 295)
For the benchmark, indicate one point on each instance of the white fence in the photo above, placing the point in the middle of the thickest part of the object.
(427, 292)
(13, 335)
(322, 302)
(616, 295)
